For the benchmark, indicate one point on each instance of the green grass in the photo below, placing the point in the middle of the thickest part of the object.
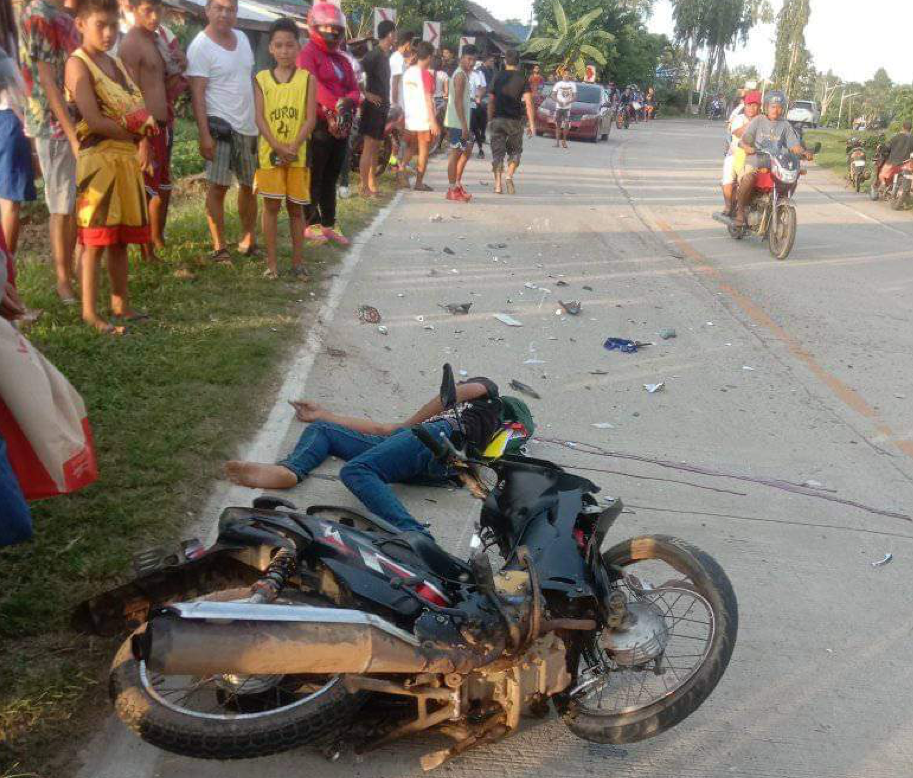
(167, 404)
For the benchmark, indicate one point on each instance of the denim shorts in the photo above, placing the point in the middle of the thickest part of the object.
(17, 177)
(456, 140)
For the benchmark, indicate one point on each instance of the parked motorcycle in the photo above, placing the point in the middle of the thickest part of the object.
(390, 142)
(897, 190)
(771, 215)
(302, 627)
(856, 160)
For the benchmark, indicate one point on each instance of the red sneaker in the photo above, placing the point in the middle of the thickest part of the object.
(463, 195)
(335, 234)
(453, 194)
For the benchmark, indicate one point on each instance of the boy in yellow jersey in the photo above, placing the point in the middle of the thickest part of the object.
(286, 108)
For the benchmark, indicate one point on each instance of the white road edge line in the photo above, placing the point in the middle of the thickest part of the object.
(115, 752)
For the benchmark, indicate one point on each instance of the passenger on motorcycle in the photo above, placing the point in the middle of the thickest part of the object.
(769, 128)
(379, 454)
(899, 150)
(735, 156)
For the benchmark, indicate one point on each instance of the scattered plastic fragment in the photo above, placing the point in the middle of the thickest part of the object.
(510, 321)
(382, 330)
(810, 484)
(464, 373)
(588, 288)
(572, 306)
(429, 327)
(450, 251)
(562, 283)
(369, 314)
(457, 309)
(436, 218)
(882, 562)
(604, 425)
(530, 285)
(420, 319)
(620, 344)
(746, 367)
(599, 372)
(668, 333)
(534, 362)
(654, 388)
(524, 389)
(497, 245)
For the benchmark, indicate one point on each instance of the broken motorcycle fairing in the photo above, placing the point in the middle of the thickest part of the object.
(278, 634)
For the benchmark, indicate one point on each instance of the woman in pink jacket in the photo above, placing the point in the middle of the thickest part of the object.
(338, 98)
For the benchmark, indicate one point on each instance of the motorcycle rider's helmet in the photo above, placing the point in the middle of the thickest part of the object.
(775, 97)
(326, 15)
(752, 98)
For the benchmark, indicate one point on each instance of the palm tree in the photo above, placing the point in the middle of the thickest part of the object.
(570, 44)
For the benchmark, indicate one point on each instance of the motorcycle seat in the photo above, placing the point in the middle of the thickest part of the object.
(438, 560)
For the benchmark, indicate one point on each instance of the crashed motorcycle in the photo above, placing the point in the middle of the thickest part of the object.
(329, 626)
(770, 214)
(857, 172)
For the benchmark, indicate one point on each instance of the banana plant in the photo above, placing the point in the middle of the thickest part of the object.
(571, 44)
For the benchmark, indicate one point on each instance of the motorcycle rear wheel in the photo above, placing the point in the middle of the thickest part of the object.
(781, 240)
(900, 199)
(158, 715)
(705, 582)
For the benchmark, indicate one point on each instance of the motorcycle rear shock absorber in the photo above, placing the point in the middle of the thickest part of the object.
(281, 568)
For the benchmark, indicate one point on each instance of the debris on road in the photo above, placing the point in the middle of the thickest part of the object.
(436, 218)
(882, 562)
(654, 388)
(524, 389)
(497, 245)
(382, 330)
(573, 307)
(450, 251)
(810, 484)
(599, 372)
(534, 362)
(667, 333)
(747, 368)
(589, 288)
(562, 283)
(369, 314)
(457, 309)
(620, 344)
(604, 425)
(510, 321)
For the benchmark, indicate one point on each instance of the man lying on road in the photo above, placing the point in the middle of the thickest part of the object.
(378, 454)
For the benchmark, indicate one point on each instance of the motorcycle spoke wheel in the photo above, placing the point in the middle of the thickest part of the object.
(687, 629)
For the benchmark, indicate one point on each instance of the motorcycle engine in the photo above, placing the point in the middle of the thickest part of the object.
(757, 210)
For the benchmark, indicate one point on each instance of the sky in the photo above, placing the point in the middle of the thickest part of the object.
(851, 39)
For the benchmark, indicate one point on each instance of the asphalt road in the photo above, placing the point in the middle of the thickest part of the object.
(796, 370)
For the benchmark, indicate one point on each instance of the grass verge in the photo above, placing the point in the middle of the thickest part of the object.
(168, 403)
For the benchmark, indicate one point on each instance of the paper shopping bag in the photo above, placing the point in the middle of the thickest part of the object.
(43, 420)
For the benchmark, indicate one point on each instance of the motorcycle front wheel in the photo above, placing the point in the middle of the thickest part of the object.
(901, 197)
(781, 240)
(227, 716)
(675, 652)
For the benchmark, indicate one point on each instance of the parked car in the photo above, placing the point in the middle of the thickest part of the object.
(591, 114)
(804, 111)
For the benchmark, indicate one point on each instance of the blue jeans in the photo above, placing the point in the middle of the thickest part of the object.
(15, 519)
(373, 462)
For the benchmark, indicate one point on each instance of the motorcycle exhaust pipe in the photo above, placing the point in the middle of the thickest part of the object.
(212, 638)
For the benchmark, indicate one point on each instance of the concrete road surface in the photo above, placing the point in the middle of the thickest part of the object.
(798, 370)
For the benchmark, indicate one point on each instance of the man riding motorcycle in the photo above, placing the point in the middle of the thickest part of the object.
(769, 127)
(735, 155)
(898, 150)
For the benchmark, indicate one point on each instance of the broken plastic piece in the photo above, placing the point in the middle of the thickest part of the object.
(882, 562)
(654, 388)
(382, 330)
(510, 321)
(457, 309)
(667, 333)
(436, 218)
(450, 251)
(524, 389)
(572, 306)
(369, 314)
(604, 425)
(620, 344)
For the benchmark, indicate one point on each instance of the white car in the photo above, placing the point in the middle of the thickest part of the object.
(805, 111)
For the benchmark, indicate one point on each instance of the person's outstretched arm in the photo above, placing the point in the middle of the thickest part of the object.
(310, 412)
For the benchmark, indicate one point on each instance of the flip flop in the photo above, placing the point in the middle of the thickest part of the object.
(251, 251)
(272, 275)
(134, 317)
(221, 257)
(110, 330)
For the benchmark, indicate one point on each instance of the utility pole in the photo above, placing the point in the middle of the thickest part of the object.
(845, 96)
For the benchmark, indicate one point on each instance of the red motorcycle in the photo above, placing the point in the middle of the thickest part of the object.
(392, 134)
(897, 187)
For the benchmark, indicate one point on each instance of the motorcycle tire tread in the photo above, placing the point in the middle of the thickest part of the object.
(667, 713)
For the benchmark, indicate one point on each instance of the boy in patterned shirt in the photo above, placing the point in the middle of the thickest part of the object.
(49, 36)
(285, 100)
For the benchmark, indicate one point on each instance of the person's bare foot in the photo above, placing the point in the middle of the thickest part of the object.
(259, 476)
(105, 327)
(66, 294)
